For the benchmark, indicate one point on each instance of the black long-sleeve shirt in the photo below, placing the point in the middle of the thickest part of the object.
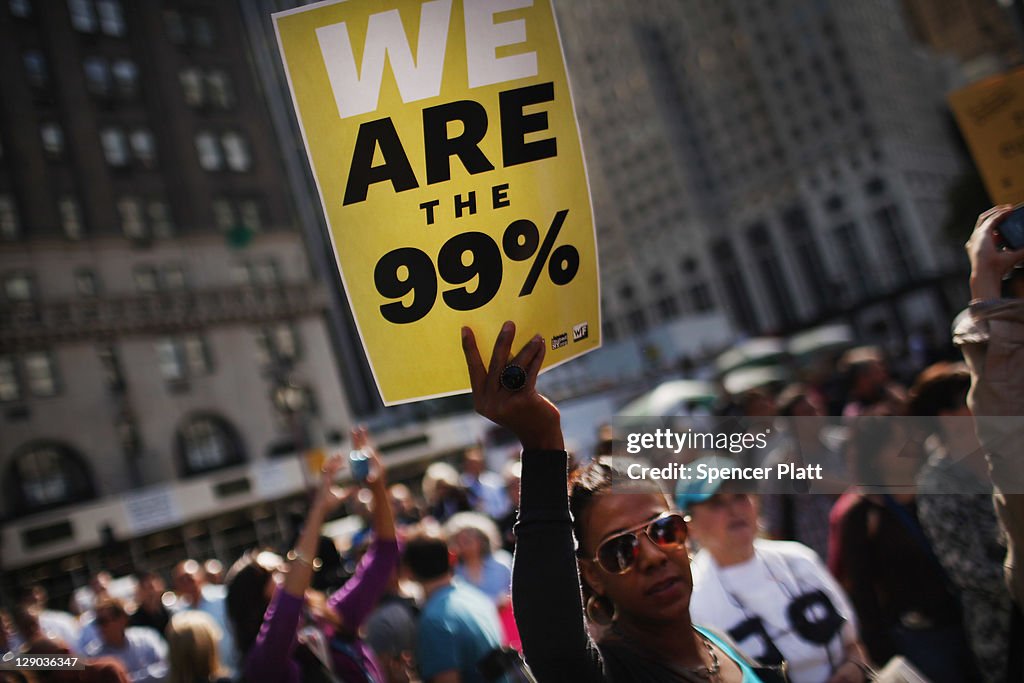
(546, 593)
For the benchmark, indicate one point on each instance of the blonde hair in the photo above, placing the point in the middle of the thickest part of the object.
(480, 524)
(438, 472)
(192, 638)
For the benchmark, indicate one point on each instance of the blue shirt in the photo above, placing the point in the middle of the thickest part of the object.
(495, 576)
(144, 654)
(458, 626)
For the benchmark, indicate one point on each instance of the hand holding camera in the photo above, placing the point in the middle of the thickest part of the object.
(364, 463)
(1000, 225)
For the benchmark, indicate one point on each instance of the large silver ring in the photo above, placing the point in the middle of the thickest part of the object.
(513, 377)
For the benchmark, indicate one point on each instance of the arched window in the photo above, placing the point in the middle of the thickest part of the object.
(45, 475)
(207, 443)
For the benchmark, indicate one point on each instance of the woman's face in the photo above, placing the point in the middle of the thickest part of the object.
(725, 523)
(467, 545)
(657, 586)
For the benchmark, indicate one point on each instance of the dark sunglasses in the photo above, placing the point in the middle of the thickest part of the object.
(618, 554)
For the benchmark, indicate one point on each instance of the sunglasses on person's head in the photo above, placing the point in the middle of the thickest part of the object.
(617, 555)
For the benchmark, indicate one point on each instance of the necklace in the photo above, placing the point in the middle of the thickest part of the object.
(704, 671)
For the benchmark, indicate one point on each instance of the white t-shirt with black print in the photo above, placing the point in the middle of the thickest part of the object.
(781, 604)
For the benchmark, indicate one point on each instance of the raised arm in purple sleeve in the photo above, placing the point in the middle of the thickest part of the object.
(270, 658)
(354, 601)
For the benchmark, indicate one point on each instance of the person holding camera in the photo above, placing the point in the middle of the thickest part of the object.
(991, 335)
(287, 632)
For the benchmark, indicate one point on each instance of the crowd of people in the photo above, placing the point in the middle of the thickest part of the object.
(621, 580)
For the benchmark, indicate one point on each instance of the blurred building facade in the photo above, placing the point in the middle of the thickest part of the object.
(164, 345)
(974, 31)
(784, 161)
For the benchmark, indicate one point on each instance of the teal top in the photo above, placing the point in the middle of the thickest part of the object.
(748, 674)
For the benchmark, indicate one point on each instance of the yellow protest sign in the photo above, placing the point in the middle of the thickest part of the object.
(991, 117)
(447, 157)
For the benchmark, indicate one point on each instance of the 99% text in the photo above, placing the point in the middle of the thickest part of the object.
(408, 269)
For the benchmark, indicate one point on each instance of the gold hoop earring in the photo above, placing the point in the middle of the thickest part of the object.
(597, 610)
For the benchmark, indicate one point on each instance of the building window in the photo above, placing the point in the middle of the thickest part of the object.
(668, 308)
(40, 374)
(197, 355)
(35, 69)
(203, 33)
(223, 214)
(10, 388)
(236, 150)
(850, 246)
(174, 27)
(174, 277)
(52, 136)
(762, 248)
(170, 360)
(83, 15)
(265, 273)
(70, 218)
(86, 282)
(97, 76)
(141, 220)
(248, 212)
(251, 214)
(19, 287)
(181, 358)
(896, 243)
(42, 480)
(230, 148)
(160, 219)
(210, 156)
(20, 8)
(700, 297)
(46, 475)
(192, 86)
(277, 344)
(208, 443)
(145, 279)
(9, 228)
(143, 146)
(132, 225)
(206, 88)
(637, 321)
(732, 282)
(219, 89)
(126, 77)
(111, 363)
(115, 147)
(111, 17)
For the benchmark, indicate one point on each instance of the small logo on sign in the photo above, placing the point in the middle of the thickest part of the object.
(558, 341)
(580, 332)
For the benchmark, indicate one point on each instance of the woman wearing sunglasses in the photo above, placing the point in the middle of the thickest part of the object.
(631, 552)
